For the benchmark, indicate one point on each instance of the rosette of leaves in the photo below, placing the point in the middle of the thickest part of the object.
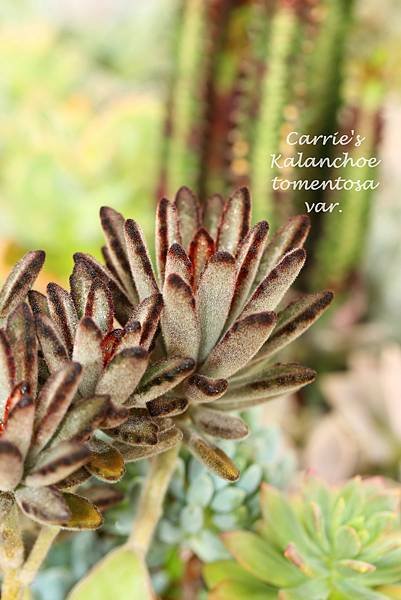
(200, 505)
(78, 325)
(45, 431)
(222, 282)
(321, 544)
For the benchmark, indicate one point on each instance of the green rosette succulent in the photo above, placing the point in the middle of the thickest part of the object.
(321, 544)
(199, 505)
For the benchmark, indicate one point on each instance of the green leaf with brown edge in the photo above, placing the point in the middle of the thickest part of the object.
(216, 572)
(121, 575)
(261, 560)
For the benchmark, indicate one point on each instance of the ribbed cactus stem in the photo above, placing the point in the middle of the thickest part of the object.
(187, 110)
(274, 97)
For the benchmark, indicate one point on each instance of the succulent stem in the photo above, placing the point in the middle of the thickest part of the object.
(11, 588)
(151, 500)
(38, 554)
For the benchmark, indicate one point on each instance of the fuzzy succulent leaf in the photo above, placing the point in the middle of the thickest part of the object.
(19, 281)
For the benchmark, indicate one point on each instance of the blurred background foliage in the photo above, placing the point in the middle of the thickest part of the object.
(116, 101)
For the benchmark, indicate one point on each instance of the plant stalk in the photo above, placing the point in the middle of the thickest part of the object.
(150, 506)
(38, 554)
(12, 588)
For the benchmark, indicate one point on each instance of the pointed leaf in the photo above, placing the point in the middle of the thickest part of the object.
(262, 560)
(89, 354)
(188, 213)
(99, 306)
(271, 291)
(199, 388)
(113, 226)
(294, 321)
(63, 313)
(18, 430)
(235, 219)
(141, 267)
(212, 457)
(290, 237)
(19, 281)
(166, 233)
(279, 379)
(38, 302)
(82, 419)
(44, 504)
(167, 439)
(90, 268)
(53, 402)
(201, 249)
(219, 424)
(21, 333)
(54, 465)
(249, 255)
(241, 342)
(122, 374)
(178, 262)
(179, 320)
(53, 348)
(148, 314)
(213, 210)
(160, 378)
(214, 297)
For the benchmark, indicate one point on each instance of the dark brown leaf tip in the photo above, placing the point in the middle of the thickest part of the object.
(222, 257)
(177, 251)
(210, 387)
(262, 318)
(166, 406)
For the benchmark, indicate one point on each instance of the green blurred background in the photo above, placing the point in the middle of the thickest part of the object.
(83, 94)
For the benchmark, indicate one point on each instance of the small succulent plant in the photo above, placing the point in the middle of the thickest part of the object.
(363, 430)
(321, 544)
(44, 432)
(199, 505)
(219, 283)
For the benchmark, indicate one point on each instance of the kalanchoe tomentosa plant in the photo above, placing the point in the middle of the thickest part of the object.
(45, 423)
(221, 282)
(320, 544)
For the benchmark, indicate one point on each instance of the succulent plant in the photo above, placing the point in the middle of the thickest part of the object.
(363, 429)
(199, 506)
(320, 544)
(43, 433)
(220, 281)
